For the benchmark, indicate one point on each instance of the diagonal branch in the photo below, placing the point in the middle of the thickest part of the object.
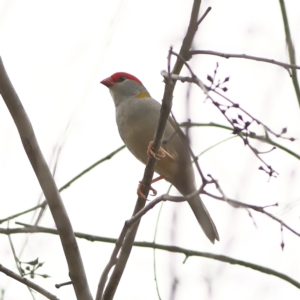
(260, 209)
(66, 185)
(48, 185)
(27, 282)
(107, 157)
(149, 170)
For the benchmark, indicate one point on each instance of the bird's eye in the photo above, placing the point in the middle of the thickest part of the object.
(122, 78)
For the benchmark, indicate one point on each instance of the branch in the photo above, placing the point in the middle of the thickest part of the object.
(107, 157)
(206, 90)
(204, 16)
(149, 170)
(27, 282)
(291, 48)
(44, 203)
(39, 165)
(154, 202)
(223, 109)
(262, 138)
(260, 209)
(188, 253)
(245, 56)
(128, 226)
(23, 212)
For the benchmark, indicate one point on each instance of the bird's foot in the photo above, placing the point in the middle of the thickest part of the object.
(140, 193)
(160, 177)
(161, 152)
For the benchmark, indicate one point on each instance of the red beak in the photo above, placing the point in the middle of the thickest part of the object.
(107, 82)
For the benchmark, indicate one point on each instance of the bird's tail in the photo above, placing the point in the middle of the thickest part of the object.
(204, 219)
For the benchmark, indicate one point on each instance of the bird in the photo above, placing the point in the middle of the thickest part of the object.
(137, 115)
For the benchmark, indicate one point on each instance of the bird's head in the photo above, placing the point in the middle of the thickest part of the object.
(123, 85)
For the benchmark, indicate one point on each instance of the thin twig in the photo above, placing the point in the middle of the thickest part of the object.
(21, 213)
(194, 157)
(28, 283)
(204, 15)
(206, 90)
(127, 228)
(245, 56)
(59, 285)
(253, 118)
(270, 171)
(154, 254)
(44, 203)
(16, 258)
(260, 209)
(154, 240)
(154, 202)
(262, 138)
(107, 157)
(291, 49)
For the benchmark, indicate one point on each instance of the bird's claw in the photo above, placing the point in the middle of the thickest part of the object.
(140, 193)
(161, 152)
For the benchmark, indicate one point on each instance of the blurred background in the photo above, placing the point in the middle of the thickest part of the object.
(57, 52)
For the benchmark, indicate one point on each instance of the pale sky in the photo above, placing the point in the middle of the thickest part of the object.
(57, 52)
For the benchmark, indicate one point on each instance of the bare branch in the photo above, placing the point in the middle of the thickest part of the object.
(154, 202)
(28, 283)
(127, 228)
(262, 138)
(260, 209)
(148, 174)
(59, 285)
(17, 262)
(107, 157)
(204, 15)
(44, 203)
(291, 49)
(245, 56)
(35, 156)
(187, 252)
(22, 213)
(222, 108)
